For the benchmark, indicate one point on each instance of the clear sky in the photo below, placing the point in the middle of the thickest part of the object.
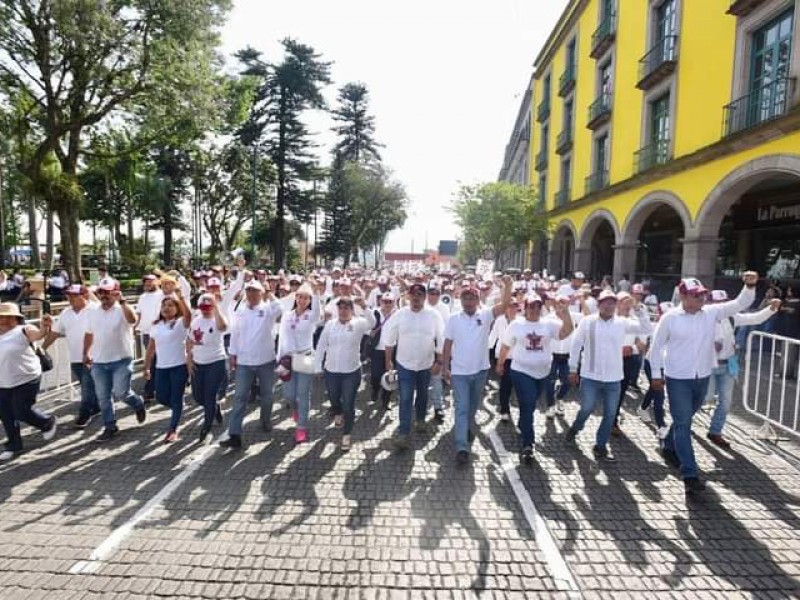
(445, 77)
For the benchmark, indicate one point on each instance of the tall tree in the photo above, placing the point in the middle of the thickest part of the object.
(82, 61)
(289, 89)
(356, 127)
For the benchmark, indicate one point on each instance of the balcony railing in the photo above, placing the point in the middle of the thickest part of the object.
(759, 106)
(599, 111)
(659, 62)
(657, 153)
(596, 181)
(562, 198)
(543, 111)
(567, 81)
(604, 36)
(742, 8)
(564, 141)
(541, 160)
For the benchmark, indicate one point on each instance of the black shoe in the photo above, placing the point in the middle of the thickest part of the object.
(234, 441)
(148, 400)
(694, 485)
(670, 458)
(141, 414)
(108, 433)
(82, 421)
(571, 435)
(204, 432)
(462, 457)
(718, 440)
(603, 454)
(470, 436)
(438, 415)
(386, 400)
(218, 414)
(266, 425)
(526, 455)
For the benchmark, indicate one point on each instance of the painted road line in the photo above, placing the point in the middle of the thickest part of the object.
(558, 567)
(106, 549)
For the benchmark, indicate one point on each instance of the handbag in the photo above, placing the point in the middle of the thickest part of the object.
(303, 362)
(45, 360)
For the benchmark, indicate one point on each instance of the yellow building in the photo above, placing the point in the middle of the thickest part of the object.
(666, 138)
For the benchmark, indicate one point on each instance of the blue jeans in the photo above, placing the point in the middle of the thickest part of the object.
(205, 383)
(245, 375)
(437, 391)
(559, 371)
(686, 396)
(528, 390)
(631, 365)
(722, 382)
(467, 390)
(298, 392)
(651, 396)
(89, 404)
(409, 382)
(112, 383)
(592, 391)
(342, 389)
(170, 385)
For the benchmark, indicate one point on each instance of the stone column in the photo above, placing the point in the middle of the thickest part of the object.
(583, 260)
(700, 258)
(625, 261)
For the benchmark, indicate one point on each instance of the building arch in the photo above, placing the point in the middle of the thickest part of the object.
(562, 248)
(645, 207)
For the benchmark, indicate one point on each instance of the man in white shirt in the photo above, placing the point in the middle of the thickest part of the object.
(683, 346)
(71, 324)
(437, 389)
(466, 341)
(417, 334)
(108, 351)
(598, 344)
(148, 308)
(252, 356)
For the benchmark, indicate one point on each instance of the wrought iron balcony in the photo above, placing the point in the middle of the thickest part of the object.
(657, 153)
(759, 106)
(659, 63)
(562, 198)
(567, 81)
(564, 141)
(596, 181)
(543, 111)
(599, 111)
(604, 36)
(742, 8)
(541, 160)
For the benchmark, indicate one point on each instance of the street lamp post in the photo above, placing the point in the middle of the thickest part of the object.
(255, 194)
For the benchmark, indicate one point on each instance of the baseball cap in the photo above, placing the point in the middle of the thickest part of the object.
(607, 295)
(388, 296)
(470, 290)
(76, 290)
(416, 287)
(692, 287)
(295, 279)
(637, 288)
(214, 282)
(623, 295)
(107, 284)
(434, 289)
(382, 280)
(533, 299)
(346, 300)
(254, 284)
(205, 300)
(345, 281)
(719, 296)
(149, 277)
(578, 275)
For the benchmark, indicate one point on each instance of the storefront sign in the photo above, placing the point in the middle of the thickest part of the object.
(766, 215)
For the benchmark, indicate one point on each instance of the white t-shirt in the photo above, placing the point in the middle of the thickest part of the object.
(113, 335)
(20, 363)
(530, 345)
(470, 337)
(170, 340)
(149, 307)
(72, 326)
(417, 336)
(208, 341)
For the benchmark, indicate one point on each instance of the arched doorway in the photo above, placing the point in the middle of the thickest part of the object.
(602, 251)
(659, 256)
(562, 250)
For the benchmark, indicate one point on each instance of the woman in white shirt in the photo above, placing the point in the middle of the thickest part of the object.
(168, 345)
(19, 378)
(205, 359)
(339, 349)
(297, 337)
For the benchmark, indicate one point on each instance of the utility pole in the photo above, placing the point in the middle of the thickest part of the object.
(2, 216)
(255, 198)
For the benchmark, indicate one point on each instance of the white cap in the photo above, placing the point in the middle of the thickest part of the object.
(107, 284)
(254, 284)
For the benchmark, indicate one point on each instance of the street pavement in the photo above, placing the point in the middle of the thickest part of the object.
(136, 519)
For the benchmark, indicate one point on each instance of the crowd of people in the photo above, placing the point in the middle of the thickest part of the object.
(408, 334)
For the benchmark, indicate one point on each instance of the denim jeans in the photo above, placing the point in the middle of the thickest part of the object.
(559, 371)
(89, 404)
(631, 365)
(467, 391)
(686, 396)
(245, 375)
(298, 392)
(528, 390)
(409, 382)
(170, 385)
(205, 383)
(342, 389)
(112, 383)
(506, 387)
(721, 382)
(651, 396)
(16, 406)
(437, 391)
(591, 392)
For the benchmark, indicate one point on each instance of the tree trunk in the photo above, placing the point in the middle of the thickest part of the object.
(70, 242)
(33, 233)
(2, 217)
(146, 233)
(49, 234)
(130, 224)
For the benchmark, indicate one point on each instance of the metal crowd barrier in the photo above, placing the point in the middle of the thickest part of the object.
(771, 390)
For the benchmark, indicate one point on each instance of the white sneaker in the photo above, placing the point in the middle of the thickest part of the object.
(505, 416)
(50, 433)
(560, 407)
(662, 432)
(7, 455)
(644, 415)
(551, 412)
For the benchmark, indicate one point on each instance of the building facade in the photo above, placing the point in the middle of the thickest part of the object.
(666, 138)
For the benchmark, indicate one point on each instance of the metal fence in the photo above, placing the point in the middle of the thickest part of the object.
(771, 391)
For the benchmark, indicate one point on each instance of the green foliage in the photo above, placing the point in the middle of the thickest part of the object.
(495, 217)
(356, 127)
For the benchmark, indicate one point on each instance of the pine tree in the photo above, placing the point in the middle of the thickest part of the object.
(356, 129)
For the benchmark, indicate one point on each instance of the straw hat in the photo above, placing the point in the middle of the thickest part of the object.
(10, 309)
